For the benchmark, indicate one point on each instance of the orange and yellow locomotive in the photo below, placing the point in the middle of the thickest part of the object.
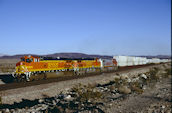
(32, 66)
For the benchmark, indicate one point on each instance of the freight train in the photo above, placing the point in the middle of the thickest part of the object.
(34, 67)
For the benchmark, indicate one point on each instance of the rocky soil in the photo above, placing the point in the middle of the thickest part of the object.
(137, 92)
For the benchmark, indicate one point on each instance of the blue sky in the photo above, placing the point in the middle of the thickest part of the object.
(105, 27)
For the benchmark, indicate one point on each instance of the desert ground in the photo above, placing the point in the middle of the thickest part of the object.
(142, 90)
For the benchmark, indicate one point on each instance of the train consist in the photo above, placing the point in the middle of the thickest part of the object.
(34, 67)
(132, 60)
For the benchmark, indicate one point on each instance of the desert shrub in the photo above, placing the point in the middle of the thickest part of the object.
(112, 87)
(153, 75)
(4, 69)
(167, 72)
(124, 89)
(152, 63)
(117, 74)
(0, 100)
(88, 97)
(54, 109)
(164, 66)
(136, 87)
(119, 81)
(87, 93)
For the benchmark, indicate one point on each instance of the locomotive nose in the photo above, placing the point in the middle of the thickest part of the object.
(19, 67)
(20, 63)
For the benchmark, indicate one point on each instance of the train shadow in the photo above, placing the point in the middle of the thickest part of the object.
(7, 78)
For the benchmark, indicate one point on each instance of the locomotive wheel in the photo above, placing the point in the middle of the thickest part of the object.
(76, 73)
(35, 77)
(17, 79)
(32, 77)
(41, 76)
(22, 78)
(38, 77)
(44, 76)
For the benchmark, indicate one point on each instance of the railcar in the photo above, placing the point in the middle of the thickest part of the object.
(34, 67)
(108, 65)
(133, 61)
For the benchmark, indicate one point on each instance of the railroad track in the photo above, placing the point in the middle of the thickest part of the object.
(15, 85)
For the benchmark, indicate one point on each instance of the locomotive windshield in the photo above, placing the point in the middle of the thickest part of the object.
(29, 60)
(23, 59)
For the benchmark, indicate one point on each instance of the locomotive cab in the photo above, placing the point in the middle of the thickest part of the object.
(25, 61)
(29, 59)
(24, 65)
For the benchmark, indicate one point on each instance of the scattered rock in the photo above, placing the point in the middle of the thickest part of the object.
(128, 80)
(124, 89)
(103, 82)
(7, 110)
(68, 97)
(137, 89)
(112, 87)
(124, 77)
(163, 106)
(116, 77)
(143, 76)
(40, 100)
(54, 102)
(135, 79)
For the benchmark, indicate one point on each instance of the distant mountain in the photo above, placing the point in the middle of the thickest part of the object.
(158, 56)
(76, 55)
(1, 55)
(15, 56)
(64, 55)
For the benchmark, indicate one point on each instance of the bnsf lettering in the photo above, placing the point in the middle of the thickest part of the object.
(52, 65)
